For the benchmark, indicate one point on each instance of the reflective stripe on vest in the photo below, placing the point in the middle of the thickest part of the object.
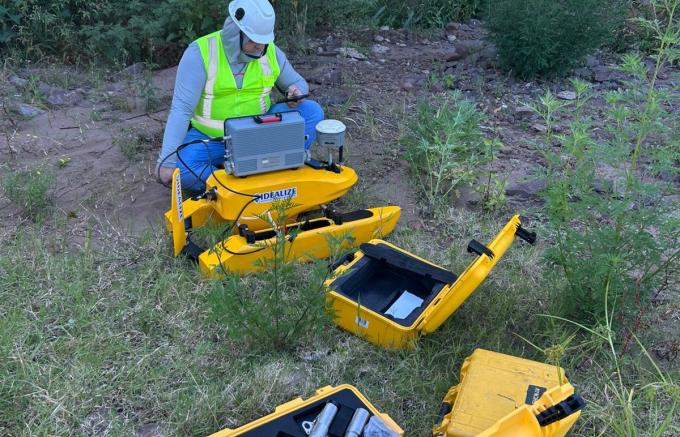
(220, 98)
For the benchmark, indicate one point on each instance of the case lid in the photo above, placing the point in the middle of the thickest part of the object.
(452, 297)
(403, 261)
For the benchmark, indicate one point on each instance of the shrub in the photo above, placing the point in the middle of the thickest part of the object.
(616, 219)
(112, 31)
(445, 147)
(543, 37)
(118, 31)
(285, 305)
(424, 14)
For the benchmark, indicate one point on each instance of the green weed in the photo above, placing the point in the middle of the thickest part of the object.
(445, 147)
(281, 308)
(616, 227)
(31, 190)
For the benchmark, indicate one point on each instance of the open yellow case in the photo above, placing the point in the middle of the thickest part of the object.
(390, 297)
(288, 419)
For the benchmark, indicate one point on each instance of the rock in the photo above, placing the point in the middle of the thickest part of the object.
(351, 52)
(332, 99)
(566, 95)
(539, 128)
(65, 98)
(57, 96)
(604, 74)
(25, 110)
(408, 84)
(324, 75)
(592, 61)
(384, 28)
(17, 81)
(378, 38)
(584, 73)
(451, 38)
(523, 111)
(602, 186)
(527, 189)
(380, 49)
(488, 56)
(131, 71)
(669, 176)
(453, 55)
(468, 47)
(452, 27)
(489, 52)
(151, 430)
(437, 87)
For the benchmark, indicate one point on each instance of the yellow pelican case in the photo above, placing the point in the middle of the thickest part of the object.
(287, 419)
(368, 285)
(504, 396)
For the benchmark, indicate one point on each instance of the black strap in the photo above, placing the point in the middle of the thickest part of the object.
(403, 261)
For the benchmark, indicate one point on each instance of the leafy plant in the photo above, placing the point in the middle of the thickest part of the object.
(285, 305)
(112, 31)
(445, 147)
(616, 224)
(544, 37)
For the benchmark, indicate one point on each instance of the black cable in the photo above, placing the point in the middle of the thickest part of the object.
(175, 152)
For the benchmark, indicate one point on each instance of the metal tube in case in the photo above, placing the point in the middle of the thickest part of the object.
(323, 421)
(356, 425)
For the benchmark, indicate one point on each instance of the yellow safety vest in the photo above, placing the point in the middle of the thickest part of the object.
(221, 99)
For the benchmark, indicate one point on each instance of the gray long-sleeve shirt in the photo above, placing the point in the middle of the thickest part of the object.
(191, 78)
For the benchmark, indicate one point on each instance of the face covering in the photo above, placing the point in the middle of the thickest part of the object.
(256, 55)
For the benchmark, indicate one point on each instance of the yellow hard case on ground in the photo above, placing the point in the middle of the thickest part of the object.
(311, 240)
(504, 396)
(371, 292)
(287, 419)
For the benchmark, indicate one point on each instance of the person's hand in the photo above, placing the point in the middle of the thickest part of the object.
(165, 175)
(293, 91)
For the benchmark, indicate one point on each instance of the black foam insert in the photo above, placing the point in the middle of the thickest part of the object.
(290, 425)
(377, 283)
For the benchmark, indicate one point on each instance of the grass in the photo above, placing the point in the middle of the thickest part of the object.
(134, 142)
(118, 335)
(30, 190)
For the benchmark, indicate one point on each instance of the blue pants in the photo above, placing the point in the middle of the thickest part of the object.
(197, 161)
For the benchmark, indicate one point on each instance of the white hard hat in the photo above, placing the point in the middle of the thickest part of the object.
(255, 18)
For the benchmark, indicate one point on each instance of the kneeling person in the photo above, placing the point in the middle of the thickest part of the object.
(225, 74)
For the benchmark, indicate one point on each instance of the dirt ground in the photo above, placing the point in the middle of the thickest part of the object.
(102, 146)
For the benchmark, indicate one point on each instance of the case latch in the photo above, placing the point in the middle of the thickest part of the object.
(558, 412)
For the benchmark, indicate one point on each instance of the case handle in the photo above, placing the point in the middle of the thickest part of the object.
(259, 119)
